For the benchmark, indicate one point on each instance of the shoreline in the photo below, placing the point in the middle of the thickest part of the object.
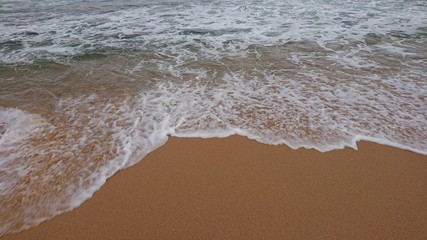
(237, 188)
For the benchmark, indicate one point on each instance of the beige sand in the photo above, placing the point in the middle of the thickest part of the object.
(235, 188)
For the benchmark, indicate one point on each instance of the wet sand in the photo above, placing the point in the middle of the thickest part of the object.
(235, 188)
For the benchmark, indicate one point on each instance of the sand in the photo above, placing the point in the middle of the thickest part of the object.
(236, 188)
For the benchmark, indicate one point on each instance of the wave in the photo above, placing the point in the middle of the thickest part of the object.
(224, 27)
(85, 99)
(54, 163)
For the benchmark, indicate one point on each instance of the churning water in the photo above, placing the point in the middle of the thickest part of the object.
(90, 87)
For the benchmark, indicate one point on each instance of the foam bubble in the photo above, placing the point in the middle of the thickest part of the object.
(49, 166)
(62, 160)
(319, 75)
(192, 29)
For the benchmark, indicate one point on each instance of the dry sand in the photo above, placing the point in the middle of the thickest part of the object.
(235, 188)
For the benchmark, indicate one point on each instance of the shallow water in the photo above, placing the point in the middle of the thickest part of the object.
(89, 88)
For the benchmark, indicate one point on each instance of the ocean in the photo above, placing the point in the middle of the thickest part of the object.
(88, 88)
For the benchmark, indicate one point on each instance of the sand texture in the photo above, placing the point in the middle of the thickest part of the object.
(235, 188)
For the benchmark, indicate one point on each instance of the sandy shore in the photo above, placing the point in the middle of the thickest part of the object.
(235, 188)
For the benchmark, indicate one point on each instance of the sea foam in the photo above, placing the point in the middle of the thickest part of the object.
(95, 94)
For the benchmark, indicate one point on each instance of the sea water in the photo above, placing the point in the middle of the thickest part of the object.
(90, 87)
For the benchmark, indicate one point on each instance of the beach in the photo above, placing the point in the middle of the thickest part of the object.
(213, 119)
(236, 188)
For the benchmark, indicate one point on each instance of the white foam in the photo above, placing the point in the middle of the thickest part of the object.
(301, 73)
(16, 127)
(211, 28)
(119, 132)
(387, 142)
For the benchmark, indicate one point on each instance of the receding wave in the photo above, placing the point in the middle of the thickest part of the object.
(81, 101)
